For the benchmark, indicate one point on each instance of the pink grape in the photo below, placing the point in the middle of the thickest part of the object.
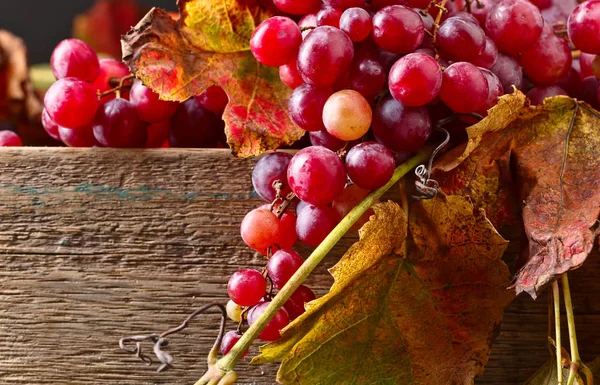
(229, 340)
(585, 64)
(282, 265)
(514, 25)
(214, 99)
(495, 91)
(461, 40)
(370, 165)
(347, 115)
(111, 72)
(10, 139)
(271, 331)
(400, 128)
(509, 72)
(268, 169)
(246, 287)
(74, 58)
(71, 102)
(366, 76)
(298, 7)
(356, 22)
(398, 29)
(287, 230)
(324, 55)
(305, 106)
(315, 223)
(295, 304)
(584, 26)
(351, 197)
(148, 104)
(325, 139)
(537, 94)
(289, 75)
(464, 88)
(117, 125)
(276, 41)
(316, 175)
(548, 61)
(260, 229)
(80, 137)
(329, 16)
(415, 80)
(488, 57)
(50, 125)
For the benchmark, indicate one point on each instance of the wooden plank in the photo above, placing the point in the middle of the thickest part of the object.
(100, 244)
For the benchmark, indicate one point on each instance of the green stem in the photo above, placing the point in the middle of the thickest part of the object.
(575, 359)
(558, 343)
(228, 362)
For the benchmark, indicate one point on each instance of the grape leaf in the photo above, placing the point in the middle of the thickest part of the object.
(173, 61)
(420, 311)
(545, 165)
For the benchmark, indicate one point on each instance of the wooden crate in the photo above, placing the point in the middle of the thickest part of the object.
(99, 244)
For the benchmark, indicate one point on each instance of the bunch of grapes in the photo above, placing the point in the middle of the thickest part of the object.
(370, 80)
(98, 103)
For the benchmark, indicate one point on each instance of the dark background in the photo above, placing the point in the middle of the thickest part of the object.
(44, 23)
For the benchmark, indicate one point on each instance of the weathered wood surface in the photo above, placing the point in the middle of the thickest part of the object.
(100, 244)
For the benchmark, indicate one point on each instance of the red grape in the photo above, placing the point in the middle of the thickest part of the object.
(548, 61)
(74, 58)
(570, 82)
(585, 64)
(271, 331)
(329, 16)
(289, 75)
(398, 29)
(356, 22)
(538, 94)
(10, 139)
(325, 139)
(401, 128)
(315, 223)
(111, 72)
(351, 197)
(588, 91)
(464, 88)
(80, 137)
(495, 90)
(50, 125)
(370, 165)
(268, 169)
(229, 340)
(325, 54)
(158, 133)
(509, 72)
(415, 80)
(275, 41)
(488, 56)
(71, 102)
(295, 304)
(347, 115)
(260, 230)
(584, 26)
(148, 104)
(541, 4)
(214, 99)
(514, 25)
(481, 8)
(344, 4)
(194, 126)
(298, 7)
(117, 125)
(287, 230)
(246, 287)
(282, 265)
(366, 76)
(316, 175)
(460, 40)
(306, 106)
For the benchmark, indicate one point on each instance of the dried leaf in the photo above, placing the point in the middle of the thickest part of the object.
(545, 165)
(170, 59)
(426, 317)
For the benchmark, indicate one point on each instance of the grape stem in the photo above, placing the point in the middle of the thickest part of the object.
(436, 25)
(575, 359)
(558, 343)
(118, 88)
(229, 361)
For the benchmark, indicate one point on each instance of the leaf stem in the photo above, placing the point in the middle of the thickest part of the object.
(228, 362)
(558, 343)
(575, 359)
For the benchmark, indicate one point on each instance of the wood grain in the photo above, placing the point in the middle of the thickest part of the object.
(96, 245)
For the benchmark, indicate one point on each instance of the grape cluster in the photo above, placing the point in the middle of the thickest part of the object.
(98, 103)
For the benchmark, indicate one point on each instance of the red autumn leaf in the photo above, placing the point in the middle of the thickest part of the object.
(546, 166)
(178, 62)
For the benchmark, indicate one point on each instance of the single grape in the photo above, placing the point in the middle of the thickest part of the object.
(398, 29)
(351, 197)
(588, 91)
(344, 4)
(260, 230)
(541, 4)
(111, 72)
(400, 128)
(316, 175)
(157, 134)
(347, 115)
(289, 75)
(537, 94)
(464, 88)
(329, 16)
(495, 90)
(466, 16)
(229, 340)
(585, 64)
(282, 265)
(570, 82)
(325, 139)
(366, 76)
(71, 103)
(214, 99)
(74, 58)
(268, 169)
(415, 80)
(80, 137)
(356, 22)
(488, 57)
(148, 105)
(194, 126)
(50, 125)
(234, 311)
(584, 26)
(300, 206)
(428, 24)
(481, 8)
(325, 54)
(305, 106)
(298, 7)
(278, 322)
(309, 20)
(276, 41)
(246, 287)
(315, 223)
(117, 125)
(509, 72)
(295, 304)
(514, 25)
(10, 139)
(460, 39)
(548, 61)
(287, 230)
(370, 165)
